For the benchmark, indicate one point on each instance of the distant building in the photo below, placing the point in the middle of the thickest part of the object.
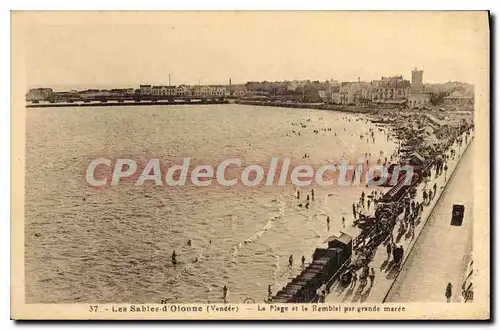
(390, 88)
(182, 90)
(239, 91)
(336, 99)
(322, 94)
(168, 90)
(358, 93)
(457, 99)
(418, 99)
(39, 94)
(219, 91)
(417, 86)
(156, 91)
(146, 89)
(202, 91)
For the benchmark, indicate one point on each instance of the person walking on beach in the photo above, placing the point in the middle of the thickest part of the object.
(298, 194)
(448, 292)
(354, 210)
(368, 203)
(303, 261)
(224, 293)
(343, 222)
(425, 196)
(445, 169)
(290, 261)
(174, 258)
(312, 194)
(269, 292)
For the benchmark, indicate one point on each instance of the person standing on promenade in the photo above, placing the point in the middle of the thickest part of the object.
(372, 276)
(401, 254)
(425, 196)
(389, 250)
(445, 169)
(448, 292)
(354, 279)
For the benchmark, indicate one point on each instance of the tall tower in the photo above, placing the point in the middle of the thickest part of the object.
(417, 85)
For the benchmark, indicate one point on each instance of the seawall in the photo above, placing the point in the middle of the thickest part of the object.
(119, 104)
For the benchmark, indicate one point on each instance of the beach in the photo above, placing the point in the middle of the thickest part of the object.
(114, 244)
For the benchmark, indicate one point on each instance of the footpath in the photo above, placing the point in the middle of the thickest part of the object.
(385, 275)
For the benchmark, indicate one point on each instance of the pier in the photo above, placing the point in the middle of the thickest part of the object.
(128, 102)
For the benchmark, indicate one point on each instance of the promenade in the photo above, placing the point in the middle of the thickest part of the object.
(384, 277)
(442, 250)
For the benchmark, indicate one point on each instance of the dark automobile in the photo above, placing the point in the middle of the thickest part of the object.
(457, 215)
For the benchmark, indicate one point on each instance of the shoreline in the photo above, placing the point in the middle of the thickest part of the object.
(315, 106)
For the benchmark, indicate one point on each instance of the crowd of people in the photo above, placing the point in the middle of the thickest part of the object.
(407, 216)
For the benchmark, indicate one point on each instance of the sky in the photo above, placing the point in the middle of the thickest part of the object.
(131, 48)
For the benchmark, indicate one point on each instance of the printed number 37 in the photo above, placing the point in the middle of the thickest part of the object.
(93, 309)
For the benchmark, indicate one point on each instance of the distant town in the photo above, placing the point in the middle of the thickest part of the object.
(387, 92)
